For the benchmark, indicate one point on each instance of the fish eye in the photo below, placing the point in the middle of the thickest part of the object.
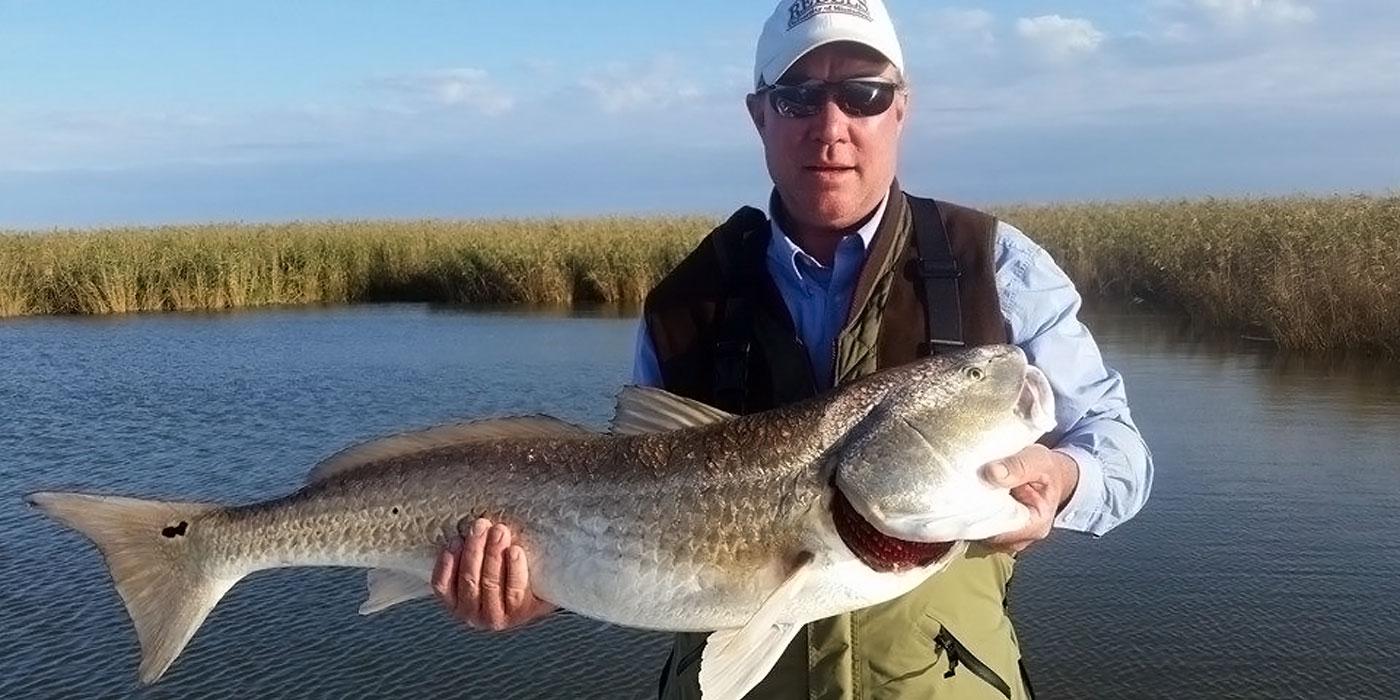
(974, 373)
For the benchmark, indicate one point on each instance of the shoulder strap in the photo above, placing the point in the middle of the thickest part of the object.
(938, 277)
(733, 321)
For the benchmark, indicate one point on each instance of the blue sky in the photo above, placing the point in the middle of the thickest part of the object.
(167, 112)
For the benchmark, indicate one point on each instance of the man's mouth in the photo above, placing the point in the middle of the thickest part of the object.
(879, 551)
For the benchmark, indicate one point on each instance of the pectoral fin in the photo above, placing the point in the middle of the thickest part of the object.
(736, 660)
(389, 587)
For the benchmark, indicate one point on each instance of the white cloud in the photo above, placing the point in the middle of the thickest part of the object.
(1193, 77)
(1287, 82)
(1181, 61)
(1231, 21)
(469, 88)
(1247, 12)
(620, 88)
(393, 115)
(1177, 33)
(970, 27)
(1060, 38)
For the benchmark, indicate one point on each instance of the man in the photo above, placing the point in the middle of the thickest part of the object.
(842, 275)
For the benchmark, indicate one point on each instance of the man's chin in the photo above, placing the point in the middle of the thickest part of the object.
(831, 208)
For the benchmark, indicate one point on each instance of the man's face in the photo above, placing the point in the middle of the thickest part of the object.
(831, 169)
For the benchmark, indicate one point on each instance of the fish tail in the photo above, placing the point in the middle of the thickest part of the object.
(154, 562)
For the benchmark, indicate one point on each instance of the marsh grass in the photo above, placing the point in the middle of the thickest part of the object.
(333, 262)
(1311, 273)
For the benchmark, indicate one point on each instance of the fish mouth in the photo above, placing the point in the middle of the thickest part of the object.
(877, 550)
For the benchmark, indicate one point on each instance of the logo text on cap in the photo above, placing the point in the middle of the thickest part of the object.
(802, 10)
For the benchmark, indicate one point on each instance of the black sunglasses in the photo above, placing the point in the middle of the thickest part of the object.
(857, 98)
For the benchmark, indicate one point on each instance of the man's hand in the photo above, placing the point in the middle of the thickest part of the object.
(484, 580)
(1041, 479)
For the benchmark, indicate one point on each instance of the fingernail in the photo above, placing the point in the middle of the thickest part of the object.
(479, 527)
(997, 471)
(496, 534)
(515, 554)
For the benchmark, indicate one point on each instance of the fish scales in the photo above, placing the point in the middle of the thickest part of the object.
(680, 518)
(705, 496)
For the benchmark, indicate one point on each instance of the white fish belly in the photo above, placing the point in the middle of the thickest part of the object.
(645, 592)
(656, 592)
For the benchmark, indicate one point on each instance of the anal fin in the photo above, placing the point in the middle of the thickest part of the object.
(389, 587)
(736, 660)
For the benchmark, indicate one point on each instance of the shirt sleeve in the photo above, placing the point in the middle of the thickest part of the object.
(1094, 425)
(646, 369)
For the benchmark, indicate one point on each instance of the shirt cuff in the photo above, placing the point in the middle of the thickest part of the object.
(1084, 511)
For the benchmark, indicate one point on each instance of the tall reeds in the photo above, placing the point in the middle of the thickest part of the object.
(1312, 273)
(334, 262)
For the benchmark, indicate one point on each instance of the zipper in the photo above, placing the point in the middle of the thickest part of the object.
(957, 654)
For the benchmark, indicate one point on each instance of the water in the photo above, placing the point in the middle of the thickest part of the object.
(1265, 565)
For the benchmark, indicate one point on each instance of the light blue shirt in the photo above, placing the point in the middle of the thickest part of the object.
(1040, 305)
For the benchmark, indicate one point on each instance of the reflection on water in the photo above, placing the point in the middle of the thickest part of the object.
(1375, 380)
(1264, 566)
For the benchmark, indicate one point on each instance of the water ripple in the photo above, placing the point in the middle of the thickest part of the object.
(1265, 565)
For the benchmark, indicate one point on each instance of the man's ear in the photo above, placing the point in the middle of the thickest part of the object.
(755, 106)
(901, 109)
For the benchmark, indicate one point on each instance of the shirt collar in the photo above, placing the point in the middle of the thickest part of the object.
(783, 251)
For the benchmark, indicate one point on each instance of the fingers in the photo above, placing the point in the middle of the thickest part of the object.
(1033, 497)
(484, 580)
(1007, 473)
(445, 573)
(1027, 466)
(517, 594)
(457, 572)
(470, 572)
(491, 609)
(997, 473)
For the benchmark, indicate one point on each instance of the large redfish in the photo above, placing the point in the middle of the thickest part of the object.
(679, 518)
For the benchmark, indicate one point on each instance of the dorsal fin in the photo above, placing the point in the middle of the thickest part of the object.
(537, 426)
(643, 409)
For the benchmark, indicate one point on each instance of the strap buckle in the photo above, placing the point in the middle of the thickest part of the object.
(926, 348)
(939, 268)
(732, 348)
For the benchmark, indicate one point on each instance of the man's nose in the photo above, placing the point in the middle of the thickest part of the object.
(830, 124)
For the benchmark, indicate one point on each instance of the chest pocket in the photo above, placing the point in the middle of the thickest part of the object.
(949, 638)
(928, 660)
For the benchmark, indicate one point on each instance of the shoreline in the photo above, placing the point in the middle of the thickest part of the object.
(1308, 273)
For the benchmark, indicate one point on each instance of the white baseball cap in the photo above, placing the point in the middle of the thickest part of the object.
(798, 26)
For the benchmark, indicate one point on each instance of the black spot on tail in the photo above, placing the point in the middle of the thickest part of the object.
(176, 531)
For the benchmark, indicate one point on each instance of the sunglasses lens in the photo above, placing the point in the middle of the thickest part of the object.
(858, 98)
(864, 99)
(797, 100)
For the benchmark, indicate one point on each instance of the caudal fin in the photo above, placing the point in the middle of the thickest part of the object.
(151, 553)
